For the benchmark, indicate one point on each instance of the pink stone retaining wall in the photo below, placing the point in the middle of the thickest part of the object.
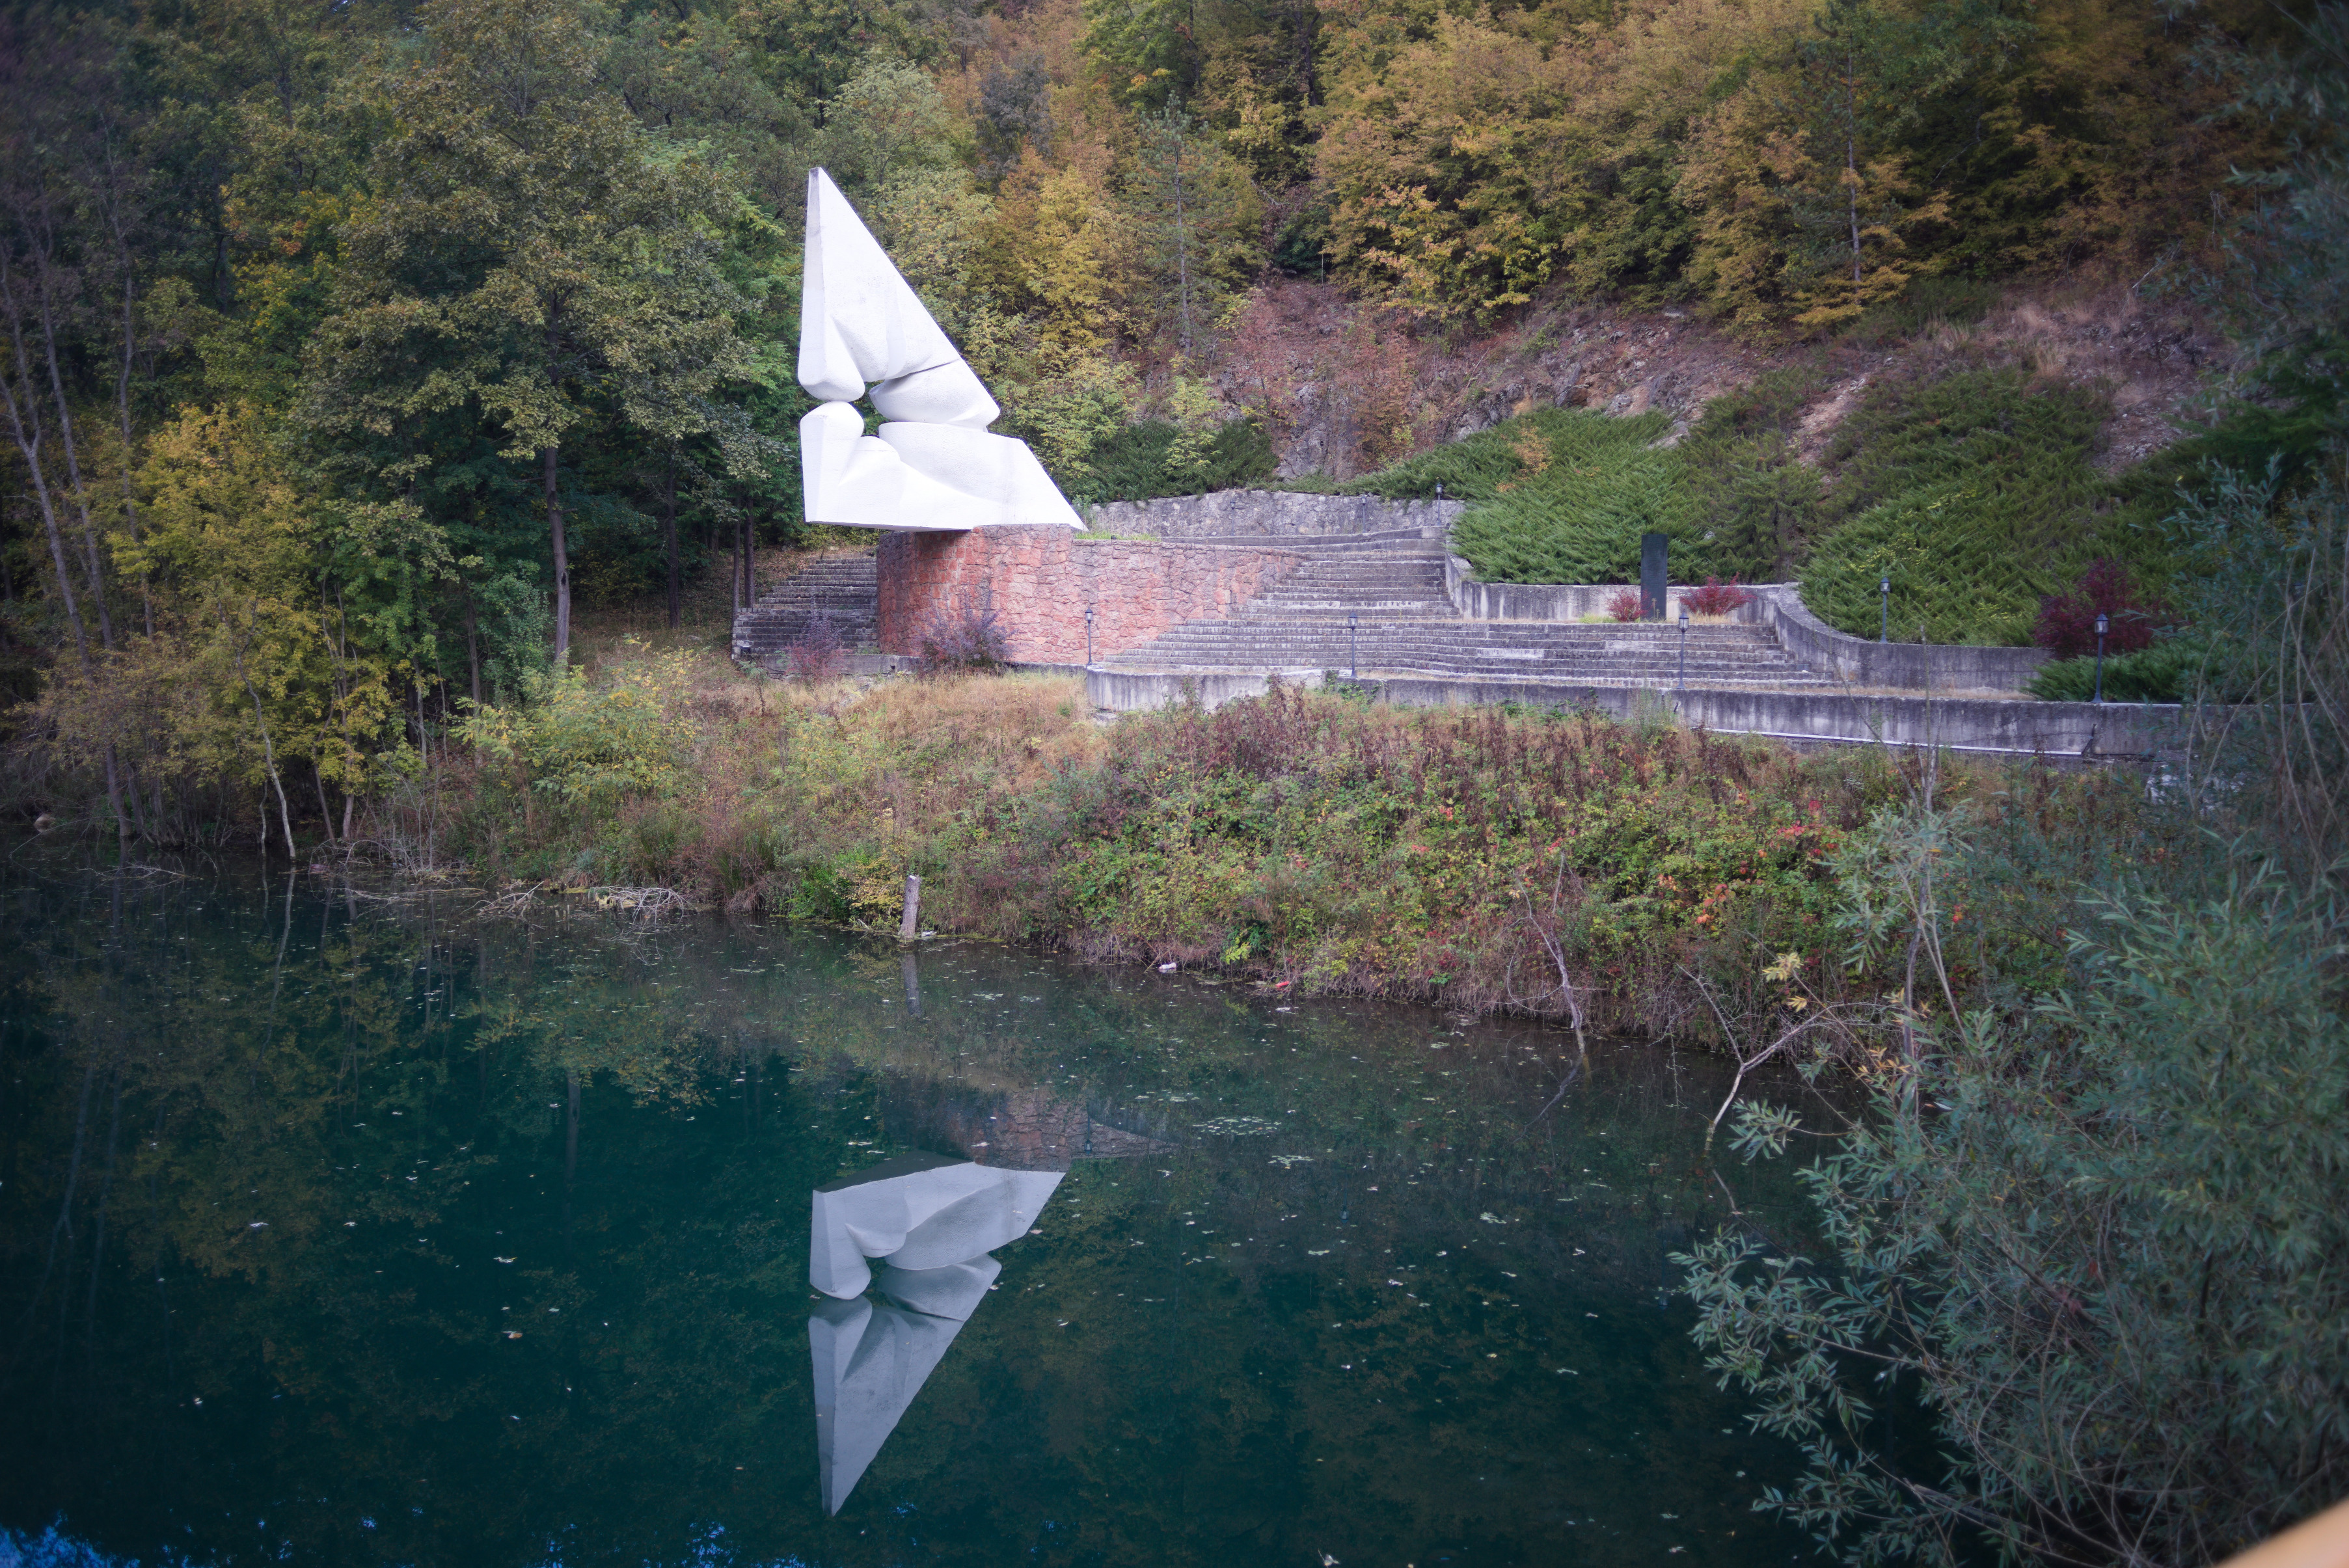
(1040, 581)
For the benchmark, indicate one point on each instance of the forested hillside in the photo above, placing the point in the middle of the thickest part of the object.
(351, 347)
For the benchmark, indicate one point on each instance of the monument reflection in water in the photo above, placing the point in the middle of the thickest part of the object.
(930, 1222)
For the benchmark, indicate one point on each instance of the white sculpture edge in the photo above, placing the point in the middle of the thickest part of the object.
(934, 466)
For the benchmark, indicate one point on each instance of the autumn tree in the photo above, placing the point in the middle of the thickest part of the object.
(1191, 203)
(531, 254)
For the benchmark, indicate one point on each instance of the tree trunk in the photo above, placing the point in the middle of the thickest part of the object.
(548, 456)
(25, 427)
(122, 406)
(1851, 173)
(668, 537)
(268, 758)
(90, 563)
(325, 812)
(473, 649)
(1182, 250)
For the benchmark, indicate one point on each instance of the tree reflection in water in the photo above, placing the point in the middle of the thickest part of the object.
(338, 1227)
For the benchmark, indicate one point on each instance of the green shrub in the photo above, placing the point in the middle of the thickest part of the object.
(1562, 495)
(2166, 672)
(2100, 1243)
(1975, 496)
(1749, 488)
(591, 742)
(1132, 463)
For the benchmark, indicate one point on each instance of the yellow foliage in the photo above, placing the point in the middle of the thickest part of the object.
(249, 656)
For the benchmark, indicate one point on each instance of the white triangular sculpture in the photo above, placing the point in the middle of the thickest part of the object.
(871, 1360)
(934, 465)
(933, 1220)
(917, 1212)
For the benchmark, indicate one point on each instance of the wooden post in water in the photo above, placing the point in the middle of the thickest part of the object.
(911, 926)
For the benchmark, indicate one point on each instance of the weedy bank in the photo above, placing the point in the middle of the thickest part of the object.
(1546, 861)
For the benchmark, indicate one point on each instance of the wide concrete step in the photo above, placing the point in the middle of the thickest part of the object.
(1467, 633)
(1339, 658)
(1658, 679)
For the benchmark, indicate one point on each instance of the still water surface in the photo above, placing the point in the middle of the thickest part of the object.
(342, 1225)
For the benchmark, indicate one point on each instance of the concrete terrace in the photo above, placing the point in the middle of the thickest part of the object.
(1392, 584)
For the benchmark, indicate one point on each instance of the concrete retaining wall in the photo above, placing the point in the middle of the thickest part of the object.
(1913, 667)
(1040, 580)
(1921, 666)
(1146, 691)
(2075, 730)
(1238, 514)
(1480, 600)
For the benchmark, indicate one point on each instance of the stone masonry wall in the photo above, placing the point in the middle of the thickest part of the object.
(1040, 581)
(1244, 512)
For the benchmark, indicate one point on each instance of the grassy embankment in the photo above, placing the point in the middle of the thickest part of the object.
(1973, 491)
(1460, 856)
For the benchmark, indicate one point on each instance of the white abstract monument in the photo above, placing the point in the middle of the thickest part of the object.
(930, 1222)
(917, 1212)
(934, 466)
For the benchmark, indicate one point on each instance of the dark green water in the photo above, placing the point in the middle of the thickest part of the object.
(339, 1227)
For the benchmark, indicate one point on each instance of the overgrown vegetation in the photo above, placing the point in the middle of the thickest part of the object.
(1309, 838)
(2088, 1232)
(2088, 1228)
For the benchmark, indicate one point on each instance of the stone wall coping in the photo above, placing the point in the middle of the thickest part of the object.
(1269, 544)
(1268, 513)
(1989, 726)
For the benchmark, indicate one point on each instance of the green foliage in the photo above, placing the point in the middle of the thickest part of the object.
(1194, 211)
(591, 742)
(1778, 162)
(1137, 461)
(2087, 1224)
(2273, 593)
(1974, 495)
(1563, 495)
(2098, 1243)
(534, 258)
(2287, 294)
(1559, 496)
(1749, 489)
(2166, 672)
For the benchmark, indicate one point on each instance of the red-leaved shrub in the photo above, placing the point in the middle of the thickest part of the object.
(1716, 597)
(1624, 605)
(2067, 622)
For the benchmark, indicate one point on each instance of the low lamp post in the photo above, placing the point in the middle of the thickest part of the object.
(1089, 636)
(1354, 646)
(2102, 624)
(1884, 627)
(1685, 619)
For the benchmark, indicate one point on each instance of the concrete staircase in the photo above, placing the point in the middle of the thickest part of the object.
(844, 588)
(1392, 584)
